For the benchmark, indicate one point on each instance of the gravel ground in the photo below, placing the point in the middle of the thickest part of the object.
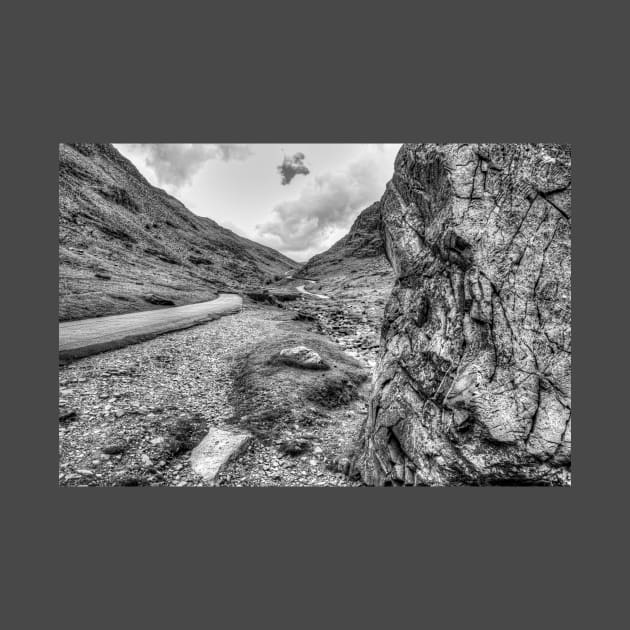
(329, 441)
(131, 416)
(353, 324)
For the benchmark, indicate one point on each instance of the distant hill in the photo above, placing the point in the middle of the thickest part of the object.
(362, 241)
(125, 245)
(355, 266)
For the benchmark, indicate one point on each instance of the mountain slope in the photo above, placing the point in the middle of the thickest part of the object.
(125, 245)
(355, 266)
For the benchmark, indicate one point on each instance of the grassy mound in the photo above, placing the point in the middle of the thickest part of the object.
(269, 395)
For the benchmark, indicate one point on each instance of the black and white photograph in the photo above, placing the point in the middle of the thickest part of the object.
(319, 272)
(314, 315)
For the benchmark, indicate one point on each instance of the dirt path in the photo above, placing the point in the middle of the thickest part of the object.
(123, 413)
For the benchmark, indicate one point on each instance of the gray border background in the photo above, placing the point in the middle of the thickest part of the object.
(293, 71)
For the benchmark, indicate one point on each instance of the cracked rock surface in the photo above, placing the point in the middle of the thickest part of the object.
(473, 379)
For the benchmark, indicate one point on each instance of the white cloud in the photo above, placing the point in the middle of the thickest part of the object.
(176, 164)
(329, 203)
(301, 219)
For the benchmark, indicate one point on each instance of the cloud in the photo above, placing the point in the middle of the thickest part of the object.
(328, 204)
(233, 151)
(292, 166)
(175, 164)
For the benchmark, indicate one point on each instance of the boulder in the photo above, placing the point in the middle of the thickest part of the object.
(303, 357)
(216, 449)
(473, 379)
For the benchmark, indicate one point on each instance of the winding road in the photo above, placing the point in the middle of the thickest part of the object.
(301, 289)
(84, 337)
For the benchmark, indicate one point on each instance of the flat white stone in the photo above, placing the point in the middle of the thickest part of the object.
(215, 450)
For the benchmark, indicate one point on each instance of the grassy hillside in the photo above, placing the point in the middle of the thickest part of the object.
(125, 245)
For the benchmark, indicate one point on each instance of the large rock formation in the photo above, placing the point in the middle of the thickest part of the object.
(125, 245)
(473, 381)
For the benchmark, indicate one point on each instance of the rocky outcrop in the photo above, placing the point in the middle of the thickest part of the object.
(473, 379)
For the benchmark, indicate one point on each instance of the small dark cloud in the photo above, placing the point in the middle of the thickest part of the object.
(292, 166)
(328, 203)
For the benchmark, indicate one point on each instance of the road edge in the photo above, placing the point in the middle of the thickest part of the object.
(72, 354)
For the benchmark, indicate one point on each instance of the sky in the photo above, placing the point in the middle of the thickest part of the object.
(296, 198)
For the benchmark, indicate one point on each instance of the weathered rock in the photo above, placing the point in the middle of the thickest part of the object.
(473, 380)
(301, 356)
(216, 450)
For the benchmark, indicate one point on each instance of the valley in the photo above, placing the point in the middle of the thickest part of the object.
(429, 346)
(125, 245)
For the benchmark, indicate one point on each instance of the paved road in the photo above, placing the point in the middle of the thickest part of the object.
(89, 336)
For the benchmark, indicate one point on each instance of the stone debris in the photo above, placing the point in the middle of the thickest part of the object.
(171, 392)
(353, 323)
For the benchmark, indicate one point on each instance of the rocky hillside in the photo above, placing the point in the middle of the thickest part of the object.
(125, 245)
(364, 240)
(473, 379)
(356, 261)
(355, 268)
(356, 277)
